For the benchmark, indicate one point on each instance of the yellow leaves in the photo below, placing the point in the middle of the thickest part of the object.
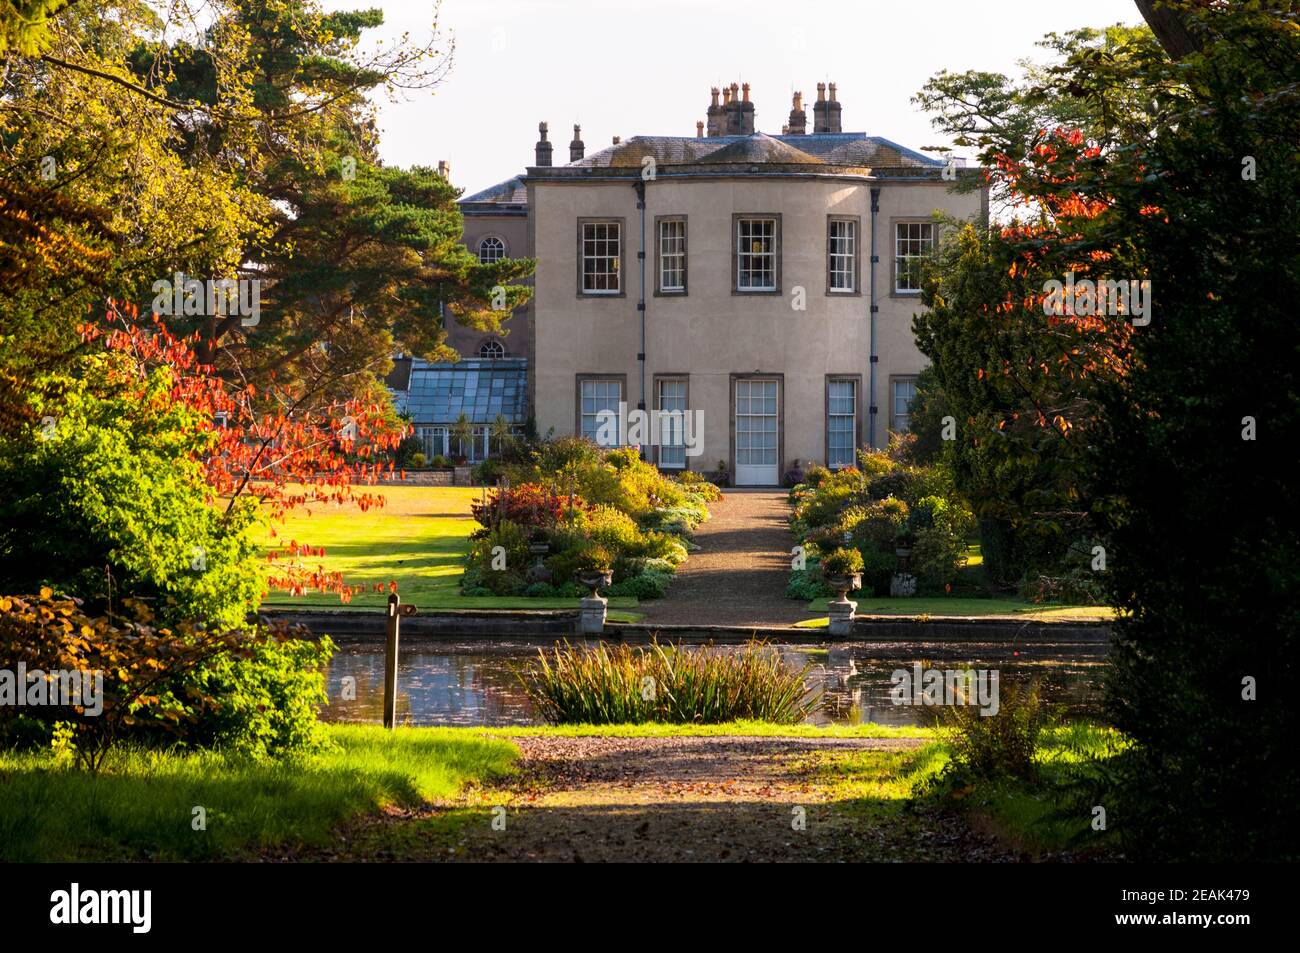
(46, 592)
(6, 604)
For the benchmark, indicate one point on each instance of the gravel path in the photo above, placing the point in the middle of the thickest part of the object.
(675, 799)
(738, 576)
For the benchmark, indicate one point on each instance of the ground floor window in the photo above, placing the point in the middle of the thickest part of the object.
(434, 440)
(903, 392)
(841, 422)
(671, 397)
(596, 396)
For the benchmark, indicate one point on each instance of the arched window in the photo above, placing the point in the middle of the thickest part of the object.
(491, 249)
(491, 350)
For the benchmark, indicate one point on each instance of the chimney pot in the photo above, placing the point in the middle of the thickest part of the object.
(746, 90)
(576, 148)
(798, 101)
(699, 129)
(444, 169)
(832, 88)
(543, 149)
(617, 140)
(821, 92)
(714, 93)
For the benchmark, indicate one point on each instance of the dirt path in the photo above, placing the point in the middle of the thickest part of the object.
(682, 799)
(738, 576)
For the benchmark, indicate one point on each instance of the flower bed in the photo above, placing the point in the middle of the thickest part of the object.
(571, 507)
(879, 508)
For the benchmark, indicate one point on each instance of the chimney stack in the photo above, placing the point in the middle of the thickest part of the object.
(714, 113)
(576, 148)
(543, 147)
(833, 112)
(798, 118)
(746, 113)
(821, 122)
(699, 129)
(617, 140)
(444, 169)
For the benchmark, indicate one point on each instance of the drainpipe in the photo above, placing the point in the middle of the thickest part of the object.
(875, 358)
(639, 185)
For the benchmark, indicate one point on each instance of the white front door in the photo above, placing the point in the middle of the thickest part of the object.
(757, 462)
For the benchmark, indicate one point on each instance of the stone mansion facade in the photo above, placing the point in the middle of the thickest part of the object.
(765, 284)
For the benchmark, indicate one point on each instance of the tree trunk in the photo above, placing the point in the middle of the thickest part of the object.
(1170, 27)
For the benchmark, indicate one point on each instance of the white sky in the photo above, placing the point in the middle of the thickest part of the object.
(644, 67)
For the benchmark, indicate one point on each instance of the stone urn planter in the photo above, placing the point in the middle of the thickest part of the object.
(538, 549)
(593, 609)
(842, 583)
(595, 580)
(842, 610)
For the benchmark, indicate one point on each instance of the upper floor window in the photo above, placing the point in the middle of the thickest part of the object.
(913, 241)
(491, 249)
(842, 255)
(601, 258)
(672, 255)
(757, 255)
(491, 350)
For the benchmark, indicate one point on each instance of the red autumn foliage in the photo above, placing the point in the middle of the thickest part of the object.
(277, 447)
(528, 504)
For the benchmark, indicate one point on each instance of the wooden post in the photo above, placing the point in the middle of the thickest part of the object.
(395, 612)
(390, 661)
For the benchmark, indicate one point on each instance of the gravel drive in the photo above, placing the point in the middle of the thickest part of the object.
(739, 574)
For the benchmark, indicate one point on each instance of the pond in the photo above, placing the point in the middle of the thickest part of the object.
(472, 682)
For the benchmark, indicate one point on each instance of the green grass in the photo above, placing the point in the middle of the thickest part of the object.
(1045, 814)
(752, 729)
(419, 538)
(140, 806)
(962, 606)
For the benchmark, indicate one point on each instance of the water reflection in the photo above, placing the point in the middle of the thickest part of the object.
(473, 683)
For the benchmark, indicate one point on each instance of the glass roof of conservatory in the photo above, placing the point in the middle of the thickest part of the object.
(481, 390)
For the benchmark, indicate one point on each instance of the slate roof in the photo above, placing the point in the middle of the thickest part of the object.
(510, 192)
(839, 153)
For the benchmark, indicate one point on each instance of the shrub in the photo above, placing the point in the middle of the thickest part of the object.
(481, 572)
(417, 461)
(540, 590)
(115, 501)
(528, 504)
(698, 486)
(628, 684)
(406, 450)
(254, 691)
(807, 584)
(993, 746)
(842, 562)
(645, 585)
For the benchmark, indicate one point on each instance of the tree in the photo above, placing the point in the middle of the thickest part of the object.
(1189, 182)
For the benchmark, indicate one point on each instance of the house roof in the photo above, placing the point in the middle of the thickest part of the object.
(839, 153)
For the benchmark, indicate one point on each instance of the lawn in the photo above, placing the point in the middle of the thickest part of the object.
(418, 538)
(938, 606)
(140, 806)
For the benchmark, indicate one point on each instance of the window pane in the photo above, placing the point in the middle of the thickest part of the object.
(598, 396)
(841, 423)
(904, 392)
(600, 257)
